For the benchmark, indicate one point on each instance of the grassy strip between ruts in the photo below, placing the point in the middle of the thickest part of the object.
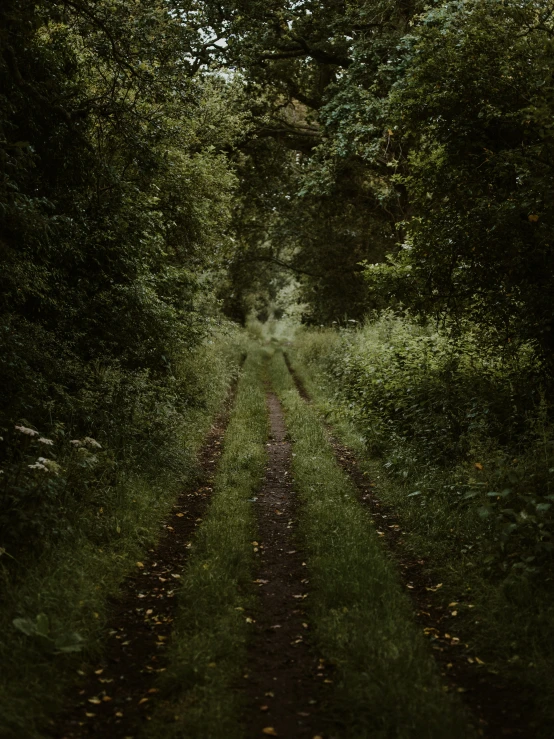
(208, 647)
(71, 583)
(387, 682)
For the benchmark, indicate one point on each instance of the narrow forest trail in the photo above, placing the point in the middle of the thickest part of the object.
(288, 618)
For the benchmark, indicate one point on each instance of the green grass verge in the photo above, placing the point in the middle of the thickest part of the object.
(208, 647)
(72, 581)
(387, 681)
(508, 623)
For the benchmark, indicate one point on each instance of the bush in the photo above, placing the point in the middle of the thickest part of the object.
(453, 415)
(123, 425)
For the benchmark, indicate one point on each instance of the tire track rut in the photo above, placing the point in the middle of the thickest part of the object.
(286, 685)
(115, 697)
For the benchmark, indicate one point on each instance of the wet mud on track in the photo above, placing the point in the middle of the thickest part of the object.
(500, 707)
(115, 698)
(285, 684)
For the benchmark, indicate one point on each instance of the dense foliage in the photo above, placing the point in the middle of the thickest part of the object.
(115, 196)
(416, 137)
(456, 422)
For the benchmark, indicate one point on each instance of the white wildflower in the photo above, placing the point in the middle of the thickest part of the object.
(92, 442)
(25, 430)
(48, 442)
(50, 464)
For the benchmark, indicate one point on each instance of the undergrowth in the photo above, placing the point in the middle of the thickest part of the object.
(55, 606)
(458, 418)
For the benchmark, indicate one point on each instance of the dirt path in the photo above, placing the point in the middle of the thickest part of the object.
(115, 697)
(499, 706)
(286, 685)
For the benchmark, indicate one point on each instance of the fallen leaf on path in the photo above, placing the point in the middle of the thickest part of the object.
(98, 672)
(264, 708)
(140, 565)
(106, 699)
(90, 715)
(142, 700)
(434, 588)
(95, 701)
(479, 661)
(270, 731)
(179, 515)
